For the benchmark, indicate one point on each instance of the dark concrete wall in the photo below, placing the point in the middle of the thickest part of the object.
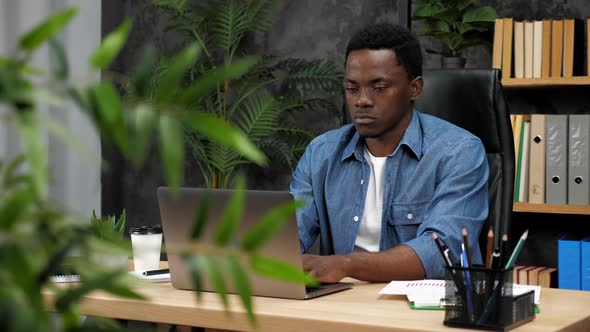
(315, 29)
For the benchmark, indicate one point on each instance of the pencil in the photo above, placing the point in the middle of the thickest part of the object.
(466, 242)
(489, 248)
(504, 248)
(517, 250)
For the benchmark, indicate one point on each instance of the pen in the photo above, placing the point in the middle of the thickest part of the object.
(517, 250)
(490, 248)
(444, 251)
(154, 272)
(466, 243)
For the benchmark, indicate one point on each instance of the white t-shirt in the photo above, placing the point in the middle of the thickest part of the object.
(369, 234)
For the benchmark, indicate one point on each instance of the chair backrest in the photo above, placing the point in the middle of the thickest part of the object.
(473, 100)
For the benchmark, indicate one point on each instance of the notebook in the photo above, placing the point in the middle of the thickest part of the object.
(178, 214)
(64, 278)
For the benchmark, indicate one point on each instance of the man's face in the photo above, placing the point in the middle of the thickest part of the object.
(379, 93)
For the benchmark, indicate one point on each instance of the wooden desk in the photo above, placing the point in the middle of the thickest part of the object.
(357, 309)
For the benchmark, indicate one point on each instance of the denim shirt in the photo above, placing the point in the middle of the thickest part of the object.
(435, 181)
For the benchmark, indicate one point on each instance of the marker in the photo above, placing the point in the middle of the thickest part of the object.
(155, 272)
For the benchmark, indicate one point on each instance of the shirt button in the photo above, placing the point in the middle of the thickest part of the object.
(356, 218)
(362, 181)
(410, 216)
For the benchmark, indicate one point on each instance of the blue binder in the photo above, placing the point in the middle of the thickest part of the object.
(568, 262)
(585, 264)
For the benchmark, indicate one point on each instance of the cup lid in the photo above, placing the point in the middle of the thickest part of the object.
(141, 230)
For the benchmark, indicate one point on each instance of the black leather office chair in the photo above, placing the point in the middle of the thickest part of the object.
(473, 99)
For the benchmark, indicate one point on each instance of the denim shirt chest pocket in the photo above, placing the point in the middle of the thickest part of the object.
(405, 219)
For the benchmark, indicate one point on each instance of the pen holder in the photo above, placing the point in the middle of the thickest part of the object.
(482, 298)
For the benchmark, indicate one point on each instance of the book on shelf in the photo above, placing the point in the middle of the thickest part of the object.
(573, 47)
(537, 48)
(528, 48)
(497, 44)
(556, 48)
(535, 276)
(519, 49)
(546, 49)
(507, 47)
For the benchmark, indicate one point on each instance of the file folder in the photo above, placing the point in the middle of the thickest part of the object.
(537, 160)
(556, 159)
(578, 192)
(568, 262)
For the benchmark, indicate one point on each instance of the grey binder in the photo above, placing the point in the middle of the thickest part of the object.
(578, 192)
(556, 162)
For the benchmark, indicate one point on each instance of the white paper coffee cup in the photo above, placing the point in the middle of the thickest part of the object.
(147, 243)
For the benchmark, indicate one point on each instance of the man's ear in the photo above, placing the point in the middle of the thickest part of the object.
(416, 88)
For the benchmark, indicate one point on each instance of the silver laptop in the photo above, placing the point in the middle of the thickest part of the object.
(178, 215)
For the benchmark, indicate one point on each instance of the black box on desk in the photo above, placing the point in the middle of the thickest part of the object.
(482, 298)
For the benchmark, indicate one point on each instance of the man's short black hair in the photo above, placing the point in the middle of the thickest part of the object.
(389, 36)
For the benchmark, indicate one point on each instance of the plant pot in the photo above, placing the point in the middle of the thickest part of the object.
(455, 62)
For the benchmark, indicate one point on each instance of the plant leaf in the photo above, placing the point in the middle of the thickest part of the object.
(231, 217)
(276, 269)
(481, 14)
(110, 109)
(214, 77)
(241, 283)
(171, 80)
(104, 55)
(143, 72)
(216, 277)
(35, 151)
(144, 122)
(13, 207)
(220, 132)
(269, 225)
(47, 29)
(171, 150)
(194, 268)
(59, 61)
(201, 216)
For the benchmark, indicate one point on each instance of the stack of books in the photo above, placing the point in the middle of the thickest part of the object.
(544, 48)
(535, 276)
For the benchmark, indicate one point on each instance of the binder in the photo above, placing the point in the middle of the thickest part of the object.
(556, 159)
(568, 262)
(537, 160)
(573, 48)
(585, 264)
(523, 195)
(578, 192)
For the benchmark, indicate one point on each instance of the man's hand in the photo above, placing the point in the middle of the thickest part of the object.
(327, 268)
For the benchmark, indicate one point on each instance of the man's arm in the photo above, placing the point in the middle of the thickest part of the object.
(460, 200)
(368, 266)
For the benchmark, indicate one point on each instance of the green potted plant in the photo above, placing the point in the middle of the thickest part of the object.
(249, 102)
(112, 229)
(37, 237)
(457, 24)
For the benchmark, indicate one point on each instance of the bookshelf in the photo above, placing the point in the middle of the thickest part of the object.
(551, 208)
(547, 82)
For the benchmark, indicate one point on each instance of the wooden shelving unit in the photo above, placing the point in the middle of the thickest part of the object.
(515, 83)
(551, 208)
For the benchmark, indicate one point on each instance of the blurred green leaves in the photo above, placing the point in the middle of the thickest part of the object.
(111, 45)
(47, 29)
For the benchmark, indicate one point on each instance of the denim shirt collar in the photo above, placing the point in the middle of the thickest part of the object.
(412, 139)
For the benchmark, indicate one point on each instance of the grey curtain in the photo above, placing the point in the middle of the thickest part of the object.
(75, 176)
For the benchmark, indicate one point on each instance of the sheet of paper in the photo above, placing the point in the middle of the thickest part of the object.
(431, 291)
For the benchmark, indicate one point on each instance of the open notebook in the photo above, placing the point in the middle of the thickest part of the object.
(428, 293)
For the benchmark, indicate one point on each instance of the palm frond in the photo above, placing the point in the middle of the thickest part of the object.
(229, 25)
(261, 14)
(259, 116)
(306, 77)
